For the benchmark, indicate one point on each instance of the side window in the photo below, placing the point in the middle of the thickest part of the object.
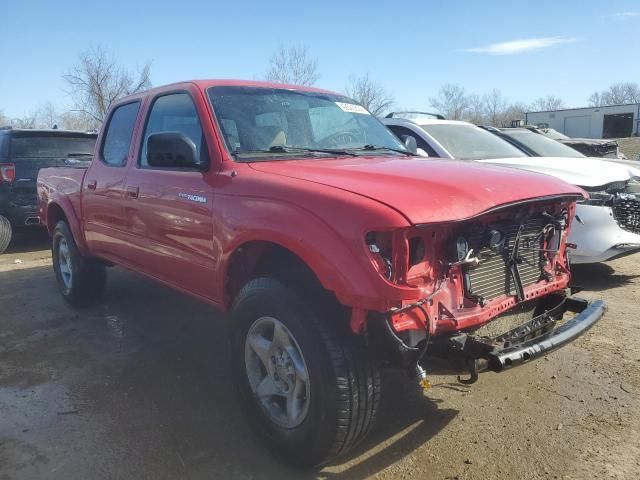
(399, 131)
(117, 139)
(175, 112)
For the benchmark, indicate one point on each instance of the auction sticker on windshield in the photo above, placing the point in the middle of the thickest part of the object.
(352, 108)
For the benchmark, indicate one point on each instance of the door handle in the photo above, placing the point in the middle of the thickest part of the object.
(132, 192)
(92, 184)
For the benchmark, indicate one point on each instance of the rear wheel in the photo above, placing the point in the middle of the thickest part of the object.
(304, 378)
(6, 232)
(81, 280)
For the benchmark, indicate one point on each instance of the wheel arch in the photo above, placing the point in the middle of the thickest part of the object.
(57, 211)
(255, 258)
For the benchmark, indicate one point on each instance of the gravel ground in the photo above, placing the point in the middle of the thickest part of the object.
(139, 387)
(630, 147)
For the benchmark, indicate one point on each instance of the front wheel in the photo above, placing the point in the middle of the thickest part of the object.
(81, 280)
(305, 380)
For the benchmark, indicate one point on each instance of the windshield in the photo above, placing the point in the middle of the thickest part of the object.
(542, 145)
(52, 145)
(258, 121)
(468, 142)
(551, 133)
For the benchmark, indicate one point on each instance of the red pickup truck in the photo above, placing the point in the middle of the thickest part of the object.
(335, 249)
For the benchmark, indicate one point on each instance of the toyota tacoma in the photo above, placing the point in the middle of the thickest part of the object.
(335, 250)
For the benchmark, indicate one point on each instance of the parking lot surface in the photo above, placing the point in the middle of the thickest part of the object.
(140, 387)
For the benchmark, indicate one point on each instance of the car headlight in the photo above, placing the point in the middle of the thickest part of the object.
(634, 185)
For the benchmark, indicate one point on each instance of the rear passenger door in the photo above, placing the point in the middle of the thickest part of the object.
(170, 210)
(103, 202)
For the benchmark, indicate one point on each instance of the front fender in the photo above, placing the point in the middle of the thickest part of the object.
(337, 258)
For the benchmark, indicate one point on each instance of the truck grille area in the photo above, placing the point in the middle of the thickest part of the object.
(626, 210)
(493, 276)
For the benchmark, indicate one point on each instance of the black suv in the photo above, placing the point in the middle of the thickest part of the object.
(22, 154)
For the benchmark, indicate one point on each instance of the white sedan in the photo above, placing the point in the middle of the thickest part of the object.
(606, 226)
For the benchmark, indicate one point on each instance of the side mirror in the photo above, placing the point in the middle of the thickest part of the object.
(410, 143)
(172, 150)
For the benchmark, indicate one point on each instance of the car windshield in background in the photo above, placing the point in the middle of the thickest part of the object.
(542, 145)
(269, 122)
(467, 142)
(556, 135)
(59, 146)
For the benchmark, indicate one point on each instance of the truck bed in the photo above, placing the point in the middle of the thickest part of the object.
(61, 183)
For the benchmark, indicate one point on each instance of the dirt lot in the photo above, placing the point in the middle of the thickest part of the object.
(630, 147)
(139, 387)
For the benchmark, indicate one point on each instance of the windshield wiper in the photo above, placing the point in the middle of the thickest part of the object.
(372, 148)
(285, 149)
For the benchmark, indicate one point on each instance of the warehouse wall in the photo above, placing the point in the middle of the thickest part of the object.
(583, 122)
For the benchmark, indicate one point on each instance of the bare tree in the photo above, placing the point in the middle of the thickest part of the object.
(617, 94)
(550, 102)
(495, 108)
(26, 121)
(514, 111)
(370, 94)
(476, 113)
(293, 65)
(4, 120)
(46, 116)
(452, 101)
(97, 81)
(595, 100)
(77, 121)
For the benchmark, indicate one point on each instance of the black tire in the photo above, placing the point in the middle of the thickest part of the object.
(6, 232)
(86, 283)
(344, 383)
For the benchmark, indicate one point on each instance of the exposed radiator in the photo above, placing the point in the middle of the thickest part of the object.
(492, 277)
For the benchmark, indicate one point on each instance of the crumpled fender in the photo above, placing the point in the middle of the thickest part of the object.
(341, 264)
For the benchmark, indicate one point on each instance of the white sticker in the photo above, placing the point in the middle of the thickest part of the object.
(352, 108)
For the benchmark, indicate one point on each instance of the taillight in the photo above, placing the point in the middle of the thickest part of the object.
(7, 172)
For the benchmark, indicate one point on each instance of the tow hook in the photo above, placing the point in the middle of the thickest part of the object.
(421, 376)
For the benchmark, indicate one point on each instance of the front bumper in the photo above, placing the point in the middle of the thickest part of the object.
(598, 236)
(588, 313)
(537, 337)
(475, 352)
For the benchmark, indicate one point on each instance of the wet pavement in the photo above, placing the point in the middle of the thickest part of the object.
(140, 387)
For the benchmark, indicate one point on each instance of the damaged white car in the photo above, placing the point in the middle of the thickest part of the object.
(606, 226)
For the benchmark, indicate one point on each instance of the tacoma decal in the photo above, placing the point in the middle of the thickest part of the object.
(193, 198)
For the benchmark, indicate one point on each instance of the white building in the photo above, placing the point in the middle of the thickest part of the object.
(613, 121)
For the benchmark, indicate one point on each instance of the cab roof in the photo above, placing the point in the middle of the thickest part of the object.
(204, 84)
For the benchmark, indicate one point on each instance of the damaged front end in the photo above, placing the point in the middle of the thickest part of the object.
(624, 200)
(607, 225)
(496, 292)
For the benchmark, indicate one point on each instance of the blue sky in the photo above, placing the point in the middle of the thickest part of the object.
(568, 48)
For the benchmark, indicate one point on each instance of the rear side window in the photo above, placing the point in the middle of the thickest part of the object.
(117, 139)
(175, 112)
